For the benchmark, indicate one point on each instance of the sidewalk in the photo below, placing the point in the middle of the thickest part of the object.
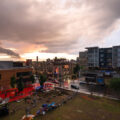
(88, 93)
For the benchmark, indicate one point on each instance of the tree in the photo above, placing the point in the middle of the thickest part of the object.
(115, 84)
(20, 84)
(76, 69)
(42, 79)
(13, 82)
(32, 78)
(81, 67)
(74, 77)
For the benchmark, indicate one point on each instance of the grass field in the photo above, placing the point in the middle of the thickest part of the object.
(86, 108)
(82, 107)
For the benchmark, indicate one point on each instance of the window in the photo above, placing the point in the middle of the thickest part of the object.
(109, 60)
(102, 64)
(109, 51)
(24, 74)
(101, 50)
(102, 55)
(101, 60)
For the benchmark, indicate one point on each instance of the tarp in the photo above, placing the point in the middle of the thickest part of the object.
(52, 104)
(35, 85)
(26, 92)
(100, 80)
(39, 87)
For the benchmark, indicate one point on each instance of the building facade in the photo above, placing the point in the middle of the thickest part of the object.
(116, 57)
(82, 59)
(105, 58)
(9, 69)
(93, 56)
(6, 75)
(61, 69)
(56, 68)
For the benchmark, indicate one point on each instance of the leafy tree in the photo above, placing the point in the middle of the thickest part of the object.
(32, 78)
(42, 79)
(115, 84)
(81, 67)
(20, 84)
(76, 69)
(13, 82)
(74, 76)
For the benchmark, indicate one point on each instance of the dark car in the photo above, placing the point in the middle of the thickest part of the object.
(75, 87)
(4, 111)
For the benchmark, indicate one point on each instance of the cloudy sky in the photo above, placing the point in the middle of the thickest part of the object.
(62, 28)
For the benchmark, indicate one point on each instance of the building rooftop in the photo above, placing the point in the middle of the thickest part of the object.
(92, 47)
(7, 65)
(13, 68)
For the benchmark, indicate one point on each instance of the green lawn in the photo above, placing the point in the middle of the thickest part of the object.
(81, 107)
(86, 109)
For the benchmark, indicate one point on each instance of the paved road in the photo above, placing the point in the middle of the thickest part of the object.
(85, 89)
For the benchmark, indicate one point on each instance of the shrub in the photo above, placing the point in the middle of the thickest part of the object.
(115, 84)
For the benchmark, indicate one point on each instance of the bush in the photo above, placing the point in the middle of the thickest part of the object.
(115, 84)
(20, 84)
(13, 82)
(32, 78)
(76, 69)
(42, 79)
(74, 76)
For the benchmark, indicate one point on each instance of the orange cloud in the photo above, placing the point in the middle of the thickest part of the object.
(56, 26)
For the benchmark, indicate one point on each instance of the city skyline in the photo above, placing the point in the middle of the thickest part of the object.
(59, 28)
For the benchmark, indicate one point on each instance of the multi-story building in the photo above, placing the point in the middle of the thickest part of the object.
(116, 57)
(61, 68)
(93, 57)
(29, 62)
(82, 59)
(105, 58)
(56, 68)
(9, 69)
(45, 66)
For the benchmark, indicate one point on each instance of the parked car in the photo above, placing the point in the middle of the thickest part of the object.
(4, 111)
(75, 87)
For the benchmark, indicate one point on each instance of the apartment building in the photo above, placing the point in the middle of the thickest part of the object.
(93, 56)
(104, 58)
(116, 57)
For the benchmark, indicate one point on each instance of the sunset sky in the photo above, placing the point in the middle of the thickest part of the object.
(49, 28)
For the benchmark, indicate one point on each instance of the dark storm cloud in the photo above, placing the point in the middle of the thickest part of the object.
(9, 52)
(58, 26)
(19, 23)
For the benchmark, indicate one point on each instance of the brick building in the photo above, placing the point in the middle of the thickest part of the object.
(9, 71)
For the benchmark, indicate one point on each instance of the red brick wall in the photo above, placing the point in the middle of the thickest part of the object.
(7, 74)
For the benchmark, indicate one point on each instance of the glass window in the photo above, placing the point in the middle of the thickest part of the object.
(101, 55)
(24, 74)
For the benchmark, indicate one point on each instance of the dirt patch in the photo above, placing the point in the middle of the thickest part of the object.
(87, 98)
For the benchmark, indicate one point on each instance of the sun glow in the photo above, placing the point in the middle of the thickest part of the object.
(43, 56)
